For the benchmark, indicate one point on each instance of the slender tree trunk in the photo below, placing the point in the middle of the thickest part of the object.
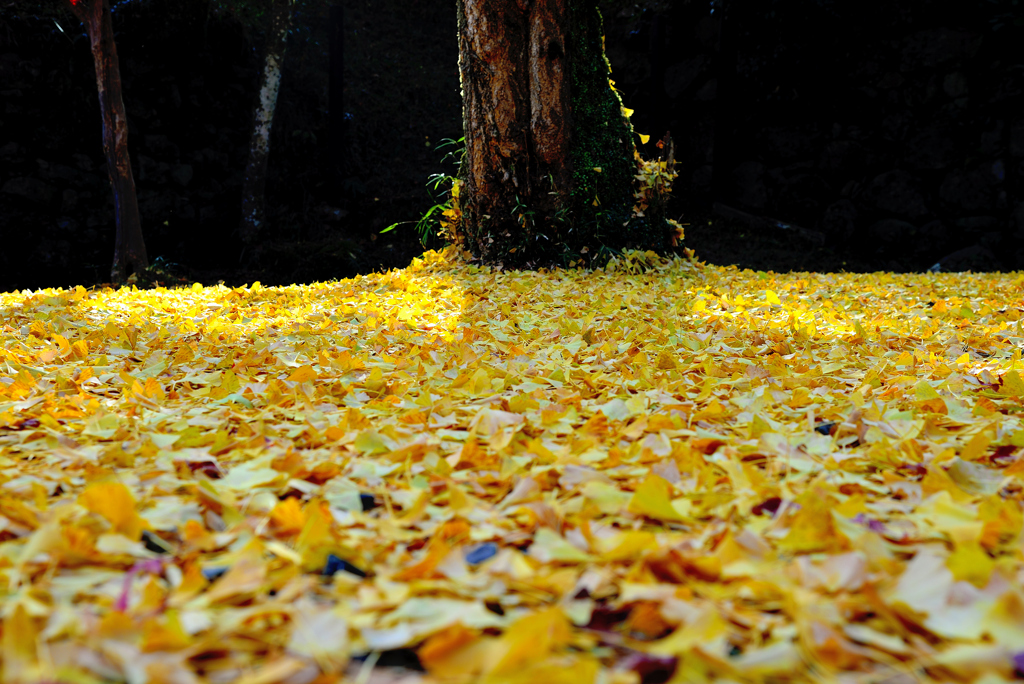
(255, 181)
(129, 246)
(550, 161)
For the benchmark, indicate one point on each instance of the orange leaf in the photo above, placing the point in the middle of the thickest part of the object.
(444, 643)
(303, 374)
(531, 638)
(288, 517)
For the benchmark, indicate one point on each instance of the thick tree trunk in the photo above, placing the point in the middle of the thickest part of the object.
(550, 162)
(129, 246)
(255, 180)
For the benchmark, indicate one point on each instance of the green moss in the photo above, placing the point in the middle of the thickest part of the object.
(603, 139)
(602, 149)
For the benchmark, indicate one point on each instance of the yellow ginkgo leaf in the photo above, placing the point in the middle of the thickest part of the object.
(303, 374)
(114, 502)
(652, 499)
(480, 382)
(627, 546)
(977, 446)
(970, 563)
(63, 346)
(288, 517)
(813, 528)
(371, 442)
(1012, 385)
(19, 646)
(531, 638)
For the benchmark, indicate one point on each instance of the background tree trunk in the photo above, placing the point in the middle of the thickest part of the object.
(129, 246)
(255, 180)
(550, 161)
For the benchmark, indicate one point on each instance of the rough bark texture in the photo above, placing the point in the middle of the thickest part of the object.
(550, 162)
(129, 246)
(495, 92)
(255, 180)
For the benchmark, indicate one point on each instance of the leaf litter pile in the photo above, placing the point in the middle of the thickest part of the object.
(662, 471)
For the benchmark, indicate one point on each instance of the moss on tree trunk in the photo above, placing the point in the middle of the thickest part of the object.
(550, 166)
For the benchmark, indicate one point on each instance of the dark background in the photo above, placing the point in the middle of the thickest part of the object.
(831, 134)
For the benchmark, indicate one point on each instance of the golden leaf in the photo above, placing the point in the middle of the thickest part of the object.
(302, 374)
(18, 646)
(531, 638)
(652, 499)
(113, 501)
(812, 528)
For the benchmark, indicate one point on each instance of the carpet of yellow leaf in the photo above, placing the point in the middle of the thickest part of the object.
(663, 471)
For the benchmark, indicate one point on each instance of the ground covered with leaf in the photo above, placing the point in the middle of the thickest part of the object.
(660, 471)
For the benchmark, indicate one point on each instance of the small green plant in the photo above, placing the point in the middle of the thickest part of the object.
(524, 215)
(444, 217)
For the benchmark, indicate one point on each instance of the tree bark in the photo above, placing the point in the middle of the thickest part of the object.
(254, 182)
(129, 246)
(548, 175)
